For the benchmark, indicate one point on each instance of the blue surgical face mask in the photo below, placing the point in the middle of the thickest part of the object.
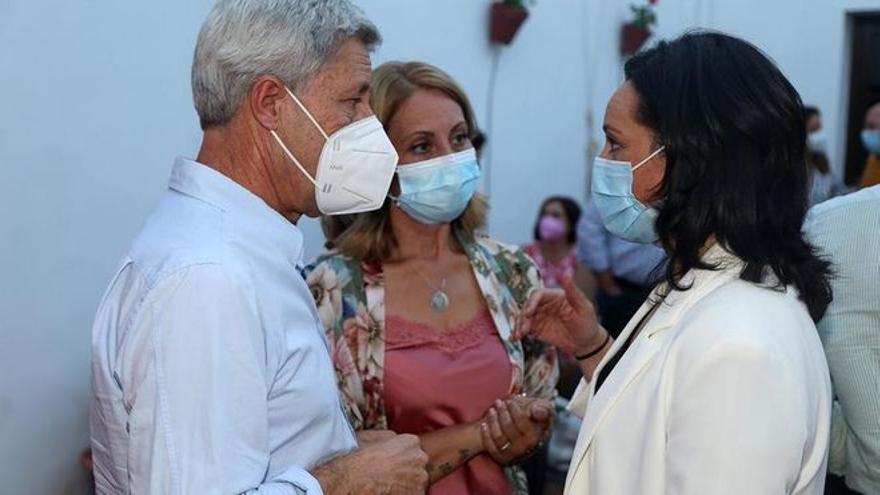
(622, 213)
(438, 190)
(871, 140)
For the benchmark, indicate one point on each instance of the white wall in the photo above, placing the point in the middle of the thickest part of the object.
(808, 39)
(95, 103)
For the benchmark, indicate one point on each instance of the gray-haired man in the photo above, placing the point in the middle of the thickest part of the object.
(210, 371)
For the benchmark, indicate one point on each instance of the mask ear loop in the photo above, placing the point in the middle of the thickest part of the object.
(646, 160)
(309, 115)
(292, 158)
(284, 147)
(395, 200)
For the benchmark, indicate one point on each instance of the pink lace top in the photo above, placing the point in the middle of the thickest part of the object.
(435, 379)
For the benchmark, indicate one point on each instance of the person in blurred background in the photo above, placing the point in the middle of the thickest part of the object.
(813, 124)
(871, 141)
(823, 183)
(624, 271)
(418, 310)
(719, 384)
(846, 229)
(555, 240)
(554, 250)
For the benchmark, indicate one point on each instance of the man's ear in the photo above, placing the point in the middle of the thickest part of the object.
(264, 100)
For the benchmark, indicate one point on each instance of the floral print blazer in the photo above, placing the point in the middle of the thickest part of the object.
(350, 296)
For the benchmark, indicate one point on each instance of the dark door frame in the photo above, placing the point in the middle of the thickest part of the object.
(861, 86)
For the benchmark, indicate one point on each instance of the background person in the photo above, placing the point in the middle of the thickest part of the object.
(624, 271)
(823, 183)
(554, 249)
(845, 228)
(871, 141)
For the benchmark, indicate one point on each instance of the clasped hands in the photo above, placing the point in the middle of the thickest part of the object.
(515, 428)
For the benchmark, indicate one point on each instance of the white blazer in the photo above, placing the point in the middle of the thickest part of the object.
(725, 391)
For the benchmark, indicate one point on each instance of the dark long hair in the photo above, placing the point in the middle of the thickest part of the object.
(734, 132)
(572, 211)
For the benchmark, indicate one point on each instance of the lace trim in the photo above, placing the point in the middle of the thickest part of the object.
(458, 338)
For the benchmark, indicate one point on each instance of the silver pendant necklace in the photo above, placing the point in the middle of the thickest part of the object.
(439, 299)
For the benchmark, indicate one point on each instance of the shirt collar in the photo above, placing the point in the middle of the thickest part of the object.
(252, 216)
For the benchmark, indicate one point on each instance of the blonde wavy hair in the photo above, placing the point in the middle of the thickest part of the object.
(369, 237)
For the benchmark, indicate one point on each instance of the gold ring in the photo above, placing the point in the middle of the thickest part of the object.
(505, 447)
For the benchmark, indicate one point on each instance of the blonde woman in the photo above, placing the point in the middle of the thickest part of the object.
(418, 310)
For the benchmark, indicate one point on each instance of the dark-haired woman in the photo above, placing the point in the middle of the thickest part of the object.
(719, 384)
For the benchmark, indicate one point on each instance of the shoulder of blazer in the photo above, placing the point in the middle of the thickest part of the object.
(742, 317)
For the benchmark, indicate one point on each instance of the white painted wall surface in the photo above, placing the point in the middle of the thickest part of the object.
(95, 104)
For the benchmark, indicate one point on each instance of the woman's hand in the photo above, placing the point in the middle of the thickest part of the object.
(561, 317)
(515, 428)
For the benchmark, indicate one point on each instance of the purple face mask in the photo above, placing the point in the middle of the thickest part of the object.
(552, 228)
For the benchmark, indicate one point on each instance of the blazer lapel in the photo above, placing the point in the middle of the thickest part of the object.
(636, 357)
(581, 399)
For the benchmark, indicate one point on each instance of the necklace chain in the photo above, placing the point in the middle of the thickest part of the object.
(428, 282)
(439, 299)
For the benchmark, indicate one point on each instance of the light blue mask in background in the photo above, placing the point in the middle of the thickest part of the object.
(871, 140)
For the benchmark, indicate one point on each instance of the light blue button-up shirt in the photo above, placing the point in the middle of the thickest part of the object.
(847, 229)
(210, 372)
(600, 250)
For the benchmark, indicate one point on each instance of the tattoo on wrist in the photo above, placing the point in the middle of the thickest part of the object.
(446, 467)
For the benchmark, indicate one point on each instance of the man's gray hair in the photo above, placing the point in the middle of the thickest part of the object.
(244, 39)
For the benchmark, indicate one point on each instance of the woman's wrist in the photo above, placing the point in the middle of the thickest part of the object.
(593, 357)
(596, 343)
(476, 438)
(596, 349)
